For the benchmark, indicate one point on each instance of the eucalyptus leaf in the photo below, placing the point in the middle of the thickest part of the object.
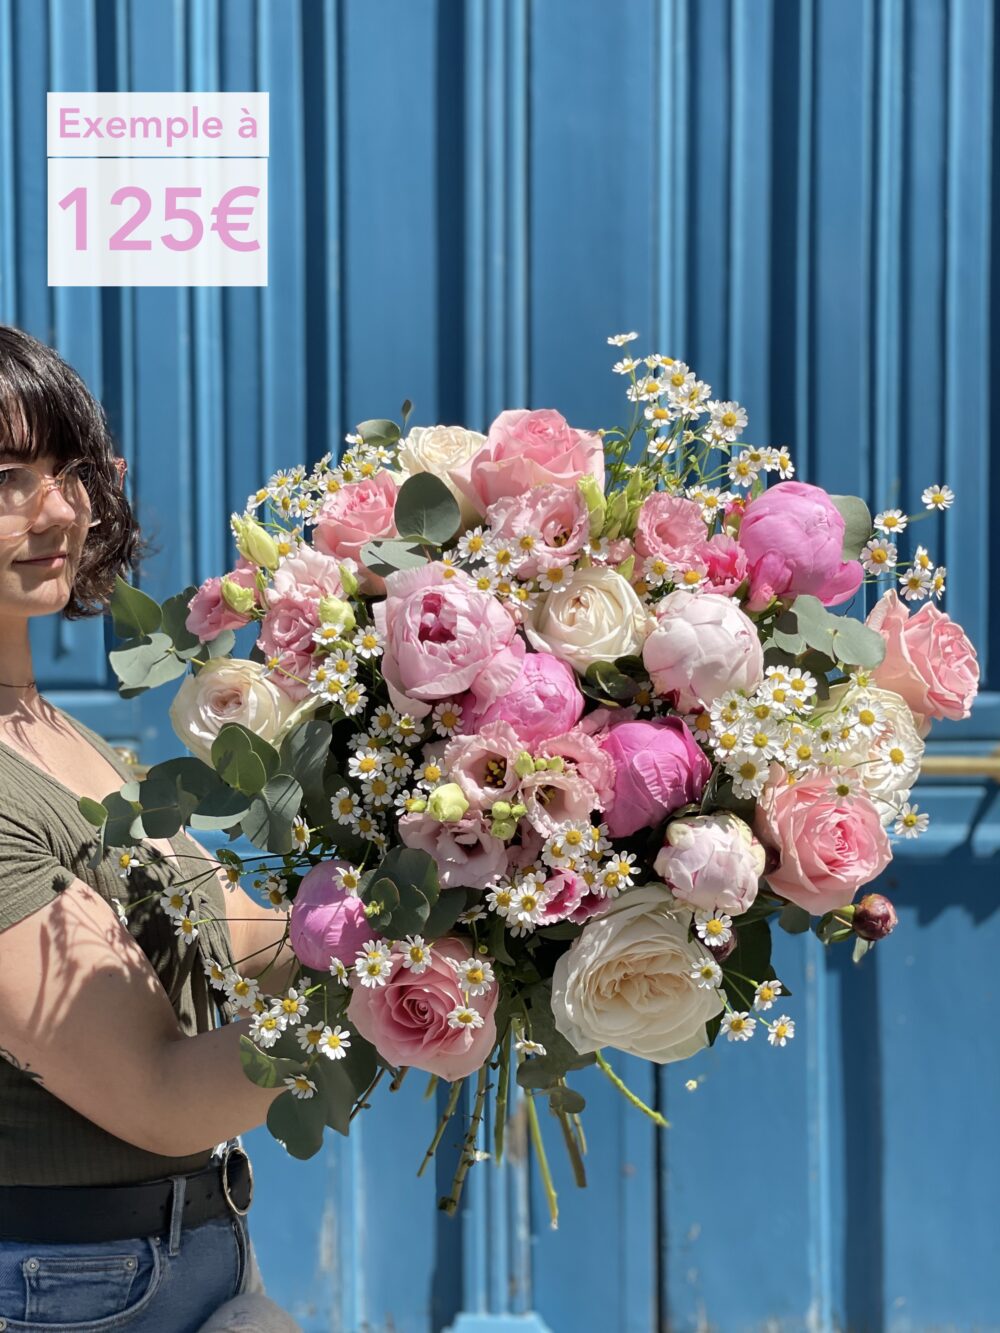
(445, 912)
(857, 644)
(143, 663)
(426, 510)
(794, 919)
(93, 811)
(161, 814)
(566, 1101)
(605, 677)
(220, 646)
(303, 754)
(815, 623)
(268, 823)
(785, 633)
(174, 613)
(243, 759)
(121, 816)
(134, 612)
(858, 526)
(267, 1071)
(379, 431)
(297, 1123)
(220, 808)
(386, 556)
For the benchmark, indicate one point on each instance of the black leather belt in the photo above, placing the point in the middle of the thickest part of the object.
(76, 1214)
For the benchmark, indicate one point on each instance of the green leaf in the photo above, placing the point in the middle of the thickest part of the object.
(174, 614)
(560, 1055)
(335, 1090)
(386, 556)
(815, 623)
(161, 815)
(297, 1123)
(606, 678)
(496, 941)
(857, 644)
(134, 613)
(243, 759)
(566, 1101)
(121, 816)
(861, 947)
(267, 1071)
(142, 664)
(220, 808)
(751, 958)
(303, 754)
(93, 811)
(794, 919)
(445, 912)
(379, 431)
(858, 526)
(426, 510)
(268, 823)
(220, 646)
(406, 885)
(785, 633)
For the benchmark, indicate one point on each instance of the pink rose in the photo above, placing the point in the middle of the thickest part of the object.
(566, 891)
(558, 515)
(465, 851)
(711, 862)
(359, 512)
(326, 921)
(483, 764)
(406, 1020)
(525, 449)
(544, 701)
(658, 768)
(928, 659)
(829, 845)
(793, 535)
(725, 563)
(671, 527)
(208, 615)
(701, 647)
(443, 636)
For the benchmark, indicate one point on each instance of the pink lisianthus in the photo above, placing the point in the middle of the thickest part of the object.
(208, 615)
(326, 921)
(286, 636)
(712, 862)
(464, 850)
(406, 1020)
(558, 518)
(554, 798)
(701, 647)
(483, 764)
(443, 636)
(725, 564)
(658, 768)
(360, 512)
(586, 758)
(310, 574)
(525, 449)
(793, 535)
(929, 660)
(671, 527)
(829, 845)
(544, 701)
(566, 891)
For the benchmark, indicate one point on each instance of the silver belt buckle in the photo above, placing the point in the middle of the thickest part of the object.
(230, 1149)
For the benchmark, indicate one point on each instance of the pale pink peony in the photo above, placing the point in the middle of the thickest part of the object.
(360, 512)
(558, 515)
(793, 535)
(658, 768)
(544, 701)
(443, 636)
(483, 764)
(712, 862)
(829, 845)
(671, 527)
(725, 563)
(208, 615)
(701, 647)
(465, 851)
(928, 659)
(525, 449)
(406, 1020)
(326, 921)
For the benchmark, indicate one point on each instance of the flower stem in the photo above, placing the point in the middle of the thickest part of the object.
(362, 1102)
(502, 1098)
(449, 1111)
(432, 1083)
(397, 1081)
(468, 1154)
(629, 1095)
(543, 1162)
(573, 1149)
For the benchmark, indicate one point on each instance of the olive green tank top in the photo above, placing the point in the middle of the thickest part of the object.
(45, 843)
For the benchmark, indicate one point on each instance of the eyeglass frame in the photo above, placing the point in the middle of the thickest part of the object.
(46, 483)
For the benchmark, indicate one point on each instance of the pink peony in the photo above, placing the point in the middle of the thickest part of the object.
(701, 647)
(483, 764)
(326, 921)
(671, 527)
(793, 535)
(406, 1020)
(525, 449)
(558, 515)
(359, 512)
(443, 636)
(542, 702)
(829, 845)
(928, 659)
(725, 563)
(465, 851)
(711, 862)
(208, 615)
(658, 768)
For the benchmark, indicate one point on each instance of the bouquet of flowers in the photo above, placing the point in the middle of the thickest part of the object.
(543, 730)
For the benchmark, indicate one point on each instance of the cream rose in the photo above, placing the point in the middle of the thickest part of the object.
(447, 451)
(595, 617)
(626, 981)
(229, 689)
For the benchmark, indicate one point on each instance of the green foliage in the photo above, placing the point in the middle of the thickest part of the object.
(858, 526)
(303, 755)
(175, 612)
(566, 1101)
(807, 624)
(273, 809)
(242, 759)
(298, 1124)
(426, 510)
(93, 811)
(604, 682)
(386, 556)
(264, 1069)
(134, 613)
(143, 663)
(751, 958)
(794, 919)
(379, 431)
(404, 888)
(445, 912)
(543, 1072)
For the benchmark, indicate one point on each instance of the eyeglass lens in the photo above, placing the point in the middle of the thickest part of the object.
(21, 495)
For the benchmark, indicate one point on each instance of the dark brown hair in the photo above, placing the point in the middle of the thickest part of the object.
(45, 408)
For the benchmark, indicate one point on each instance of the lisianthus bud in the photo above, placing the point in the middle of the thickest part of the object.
(524, 764)
(348, 578)
(874, 917)
(334, 611)
(447, 803)
(593, 493)
(236, 597)
(255, 543)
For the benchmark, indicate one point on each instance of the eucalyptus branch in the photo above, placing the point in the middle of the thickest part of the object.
(362, 1101)
(573, 1149)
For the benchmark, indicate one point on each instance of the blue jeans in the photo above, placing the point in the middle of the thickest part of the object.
(167, 1283)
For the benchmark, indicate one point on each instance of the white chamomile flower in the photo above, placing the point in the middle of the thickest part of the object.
(367, 642)
(766, 994)
(878, 556)
(867, 717)
(617, 874)
(738, 1026)
(266, 1028)
(620, 339)
(475, 544)
(781, 1031)
(301, 834)
(741, 471)
(748, 771)
(625, 366)
(378, 790)
(762, 738)
(407, 802)
(242, 992)
(727, 710)
(464, 1016)
(922, 559)
(728, 420)
(937, 497)
(500, 899)
(415, 954)
(890, 521)
(527, 904)
(429, 774)
(382, 723)
(293, 1004)
(184, 928)
(339, 971)
(911, 821)
(345, 806)
(353, 698)
(447, 718)
(365, 764)
(335, 1042)
(215, 973)
(803, 686)
(472, 915)
(405, 729)
(524, 595)
(915, 584)
(688, 578)
(373, 964)
(707, 973)
(308, 1036)
(175, 901)
(713, 927)
(938, 582)
(525, 1046)
(300, 1086)
(127, 862)
(661, 446)
(553, 576)
(475, 975)
(504, 557)
(398, 765)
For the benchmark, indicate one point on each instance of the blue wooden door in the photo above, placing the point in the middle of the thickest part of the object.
(466, 198)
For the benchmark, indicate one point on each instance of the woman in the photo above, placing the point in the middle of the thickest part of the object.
(116, 1082)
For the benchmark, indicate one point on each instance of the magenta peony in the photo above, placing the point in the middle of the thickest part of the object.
(658, 768)
(326, 921)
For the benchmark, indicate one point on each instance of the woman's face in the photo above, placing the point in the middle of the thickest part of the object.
(30, 583)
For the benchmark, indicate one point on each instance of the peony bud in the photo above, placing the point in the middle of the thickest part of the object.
(253, 542)
(333, 611)
(447, 804)
(874, 917)
(236, 597)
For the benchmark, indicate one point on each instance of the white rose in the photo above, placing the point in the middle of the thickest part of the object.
(626, 981)
(228, 689)
(445, 451)
(595, 617)
(888, 783)
(702, 646)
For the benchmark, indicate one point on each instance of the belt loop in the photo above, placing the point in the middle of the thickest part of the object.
(176, 1214)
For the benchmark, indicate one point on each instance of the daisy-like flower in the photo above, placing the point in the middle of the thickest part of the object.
(407, 802)
(661, 446)
(911, 821)
(922, 559)
(710, 500)
(475, 544)
(553, 576)
(127, 862)
(447, 718)
(713, 927)
(625, 366)
(301, 834)
(867, 718)
(398, 765)
(266, 1028)
(895, 754)
(524, 595)
(748, 771)
(802, 685)
(415, 954)
(300, 1086)
(242, 992)
(345, 806)
(727, 421)
(937, 497)
(373, 964)
(688, 578)
(500, 899)
(707, 973)
(727, 742)
(339, 971)
(184, 928)
(741, 471)
(763, 738)
(405, 730)
(293, 1005)
(428, 775)
(691, 398)
(215, 973)
(335, 1042)
(464, 1016)
(527, 904)
(738, 1026)
(525, 1046)
(382, 723)
(620, 339)
(309, 1037)
(800, 750)
(915, 584)
(378, 790)
(878, 556)
(365, 764)
(779, 460)
(175, 902)
(475, 975)
(891, 521)
(367, 642)
(275, 890)
(781, 1031)
(472, 914)
(766, 994)
(938, 582)
(727, 710)
(353, 698)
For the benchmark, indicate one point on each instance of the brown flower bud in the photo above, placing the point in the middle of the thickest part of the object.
(721, 951)
(874, 917)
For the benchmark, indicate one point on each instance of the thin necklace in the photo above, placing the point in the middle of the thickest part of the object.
(12, 686)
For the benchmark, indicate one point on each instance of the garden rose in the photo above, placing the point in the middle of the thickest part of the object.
(464, 850)
(671, 527)
(626, 982)
(230, 689)
(326, 921)
(406, 1020)
(558, 515)
(829, 845)
(544, 701)
(929, 661)
(712, 862)
(525, 449)
(286, 634)
(360, 512)
(793, 535)
(702, 646)
(659, 767)
(208, 615)
(445, 451)
(594, 617)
